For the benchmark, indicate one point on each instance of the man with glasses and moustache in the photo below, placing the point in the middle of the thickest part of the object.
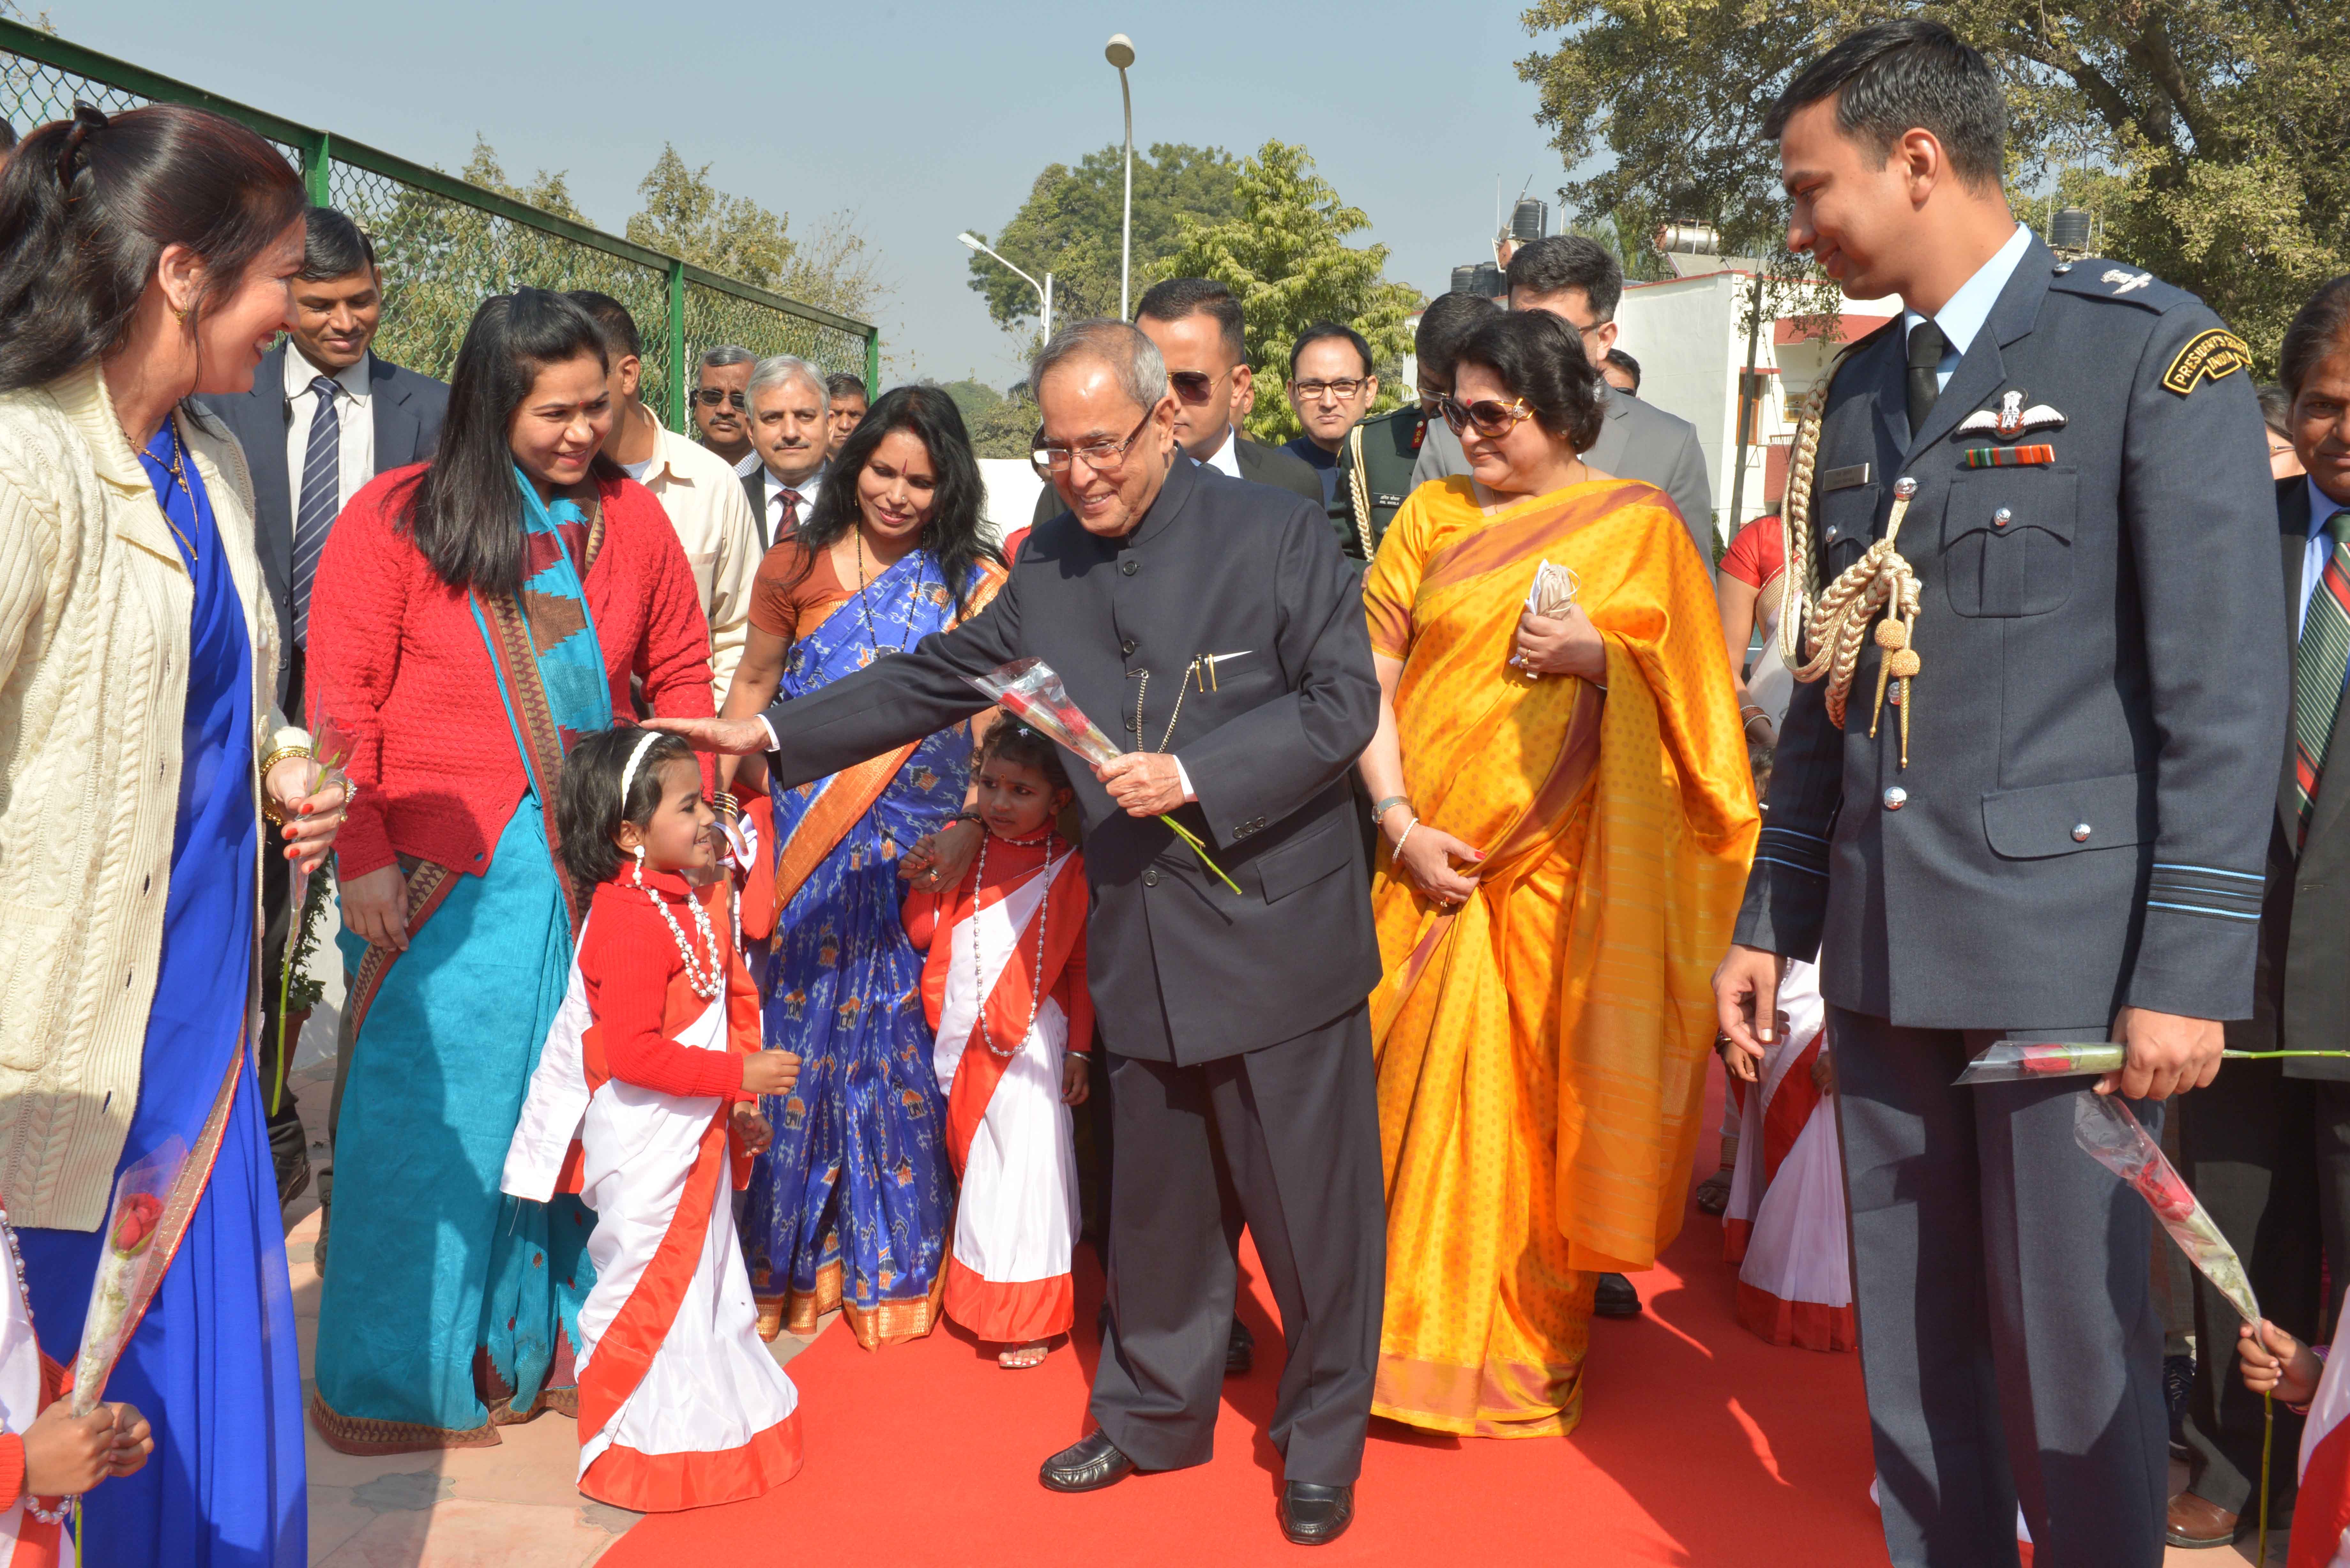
(790, 412)
(721, 401)
(1580, 280)
(1196, 323)
(1212, 623)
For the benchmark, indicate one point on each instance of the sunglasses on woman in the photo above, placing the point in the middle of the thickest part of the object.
(1490, 418)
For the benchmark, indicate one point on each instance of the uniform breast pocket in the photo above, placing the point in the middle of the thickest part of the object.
(2007, 541)
(1847, 521)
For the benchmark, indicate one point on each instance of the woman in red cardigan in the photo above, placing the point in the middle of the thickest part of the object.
(472, 619)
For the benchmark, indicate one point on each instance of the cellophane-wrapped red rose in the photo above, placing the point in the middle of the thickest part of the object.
(2103, 1124)
(2004, 1061)
(129, 1267)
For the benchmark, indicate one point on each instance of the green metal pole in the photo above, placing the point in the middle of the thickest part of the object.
(873, 362)
(676, 347)
(318, 161)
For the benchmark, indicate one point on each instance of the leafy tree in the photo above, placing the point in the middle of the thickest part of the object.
(2212, 138)
(688, 216)
(1002, 424)
(1070, 226)
(1284, 256)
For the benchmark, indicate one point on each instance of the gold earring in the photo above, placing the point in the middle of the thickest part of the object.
(181, 312)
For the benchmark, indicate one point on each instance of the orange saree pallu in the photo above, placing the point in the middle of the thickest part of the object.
(1541, 1049)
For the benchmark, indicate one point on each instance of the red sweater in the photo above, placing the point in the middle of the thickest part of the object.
(396, 657)
(640, 998)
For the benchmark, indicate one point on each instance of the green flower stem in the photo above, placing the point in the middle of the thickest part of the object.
(1200, 849)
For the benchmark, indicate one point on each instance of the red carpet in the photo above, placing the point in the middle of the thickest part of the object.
(1699, 1444)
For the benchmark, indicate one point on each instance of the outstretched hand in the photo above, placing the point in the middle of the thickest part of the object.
(726, 737)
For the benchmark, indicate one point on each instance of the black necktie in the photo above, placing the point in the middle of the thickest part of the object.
(1925, 348)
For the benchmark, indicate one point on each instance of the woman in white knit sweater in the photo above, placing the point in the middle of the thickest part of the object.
(143, 260)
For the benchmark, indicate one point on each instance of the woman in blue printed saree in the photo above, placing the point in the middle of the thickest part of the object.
(472, 619)
(849, 1207)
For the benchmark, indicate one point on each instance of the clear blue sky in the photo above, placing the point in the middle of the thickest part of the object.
(925, 119)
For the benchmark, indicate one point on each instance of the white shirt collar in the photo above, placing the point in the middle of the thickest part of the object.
(807, 487)
(299, 373)
(1961, 316)
(1226, 458)
(752, 463)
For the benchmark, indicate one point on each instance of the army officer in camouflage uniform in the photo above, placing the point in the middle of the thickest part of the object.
(2074, 849)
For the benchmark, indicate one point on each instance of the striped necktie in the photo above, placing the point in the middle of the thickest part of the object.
(321, 499)
(2319, 665)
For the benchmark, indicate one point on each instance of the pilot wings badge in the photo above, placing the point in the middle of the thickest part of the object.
(2010, 419)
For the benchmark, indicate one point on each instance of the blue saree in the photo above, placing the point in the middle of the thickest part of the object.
(213, 1363)
(849, 1207)
(450, 1308)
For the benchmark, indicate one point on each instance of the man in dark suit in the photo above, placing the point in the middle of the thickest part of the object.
(2268, 1144)
(1580, 280)
(1214, 624)
(324, 416)
(1197, 324)
(2053, 829)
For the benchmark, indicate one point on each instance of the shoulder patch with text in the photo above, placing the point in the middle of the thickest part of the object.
(2208, 356)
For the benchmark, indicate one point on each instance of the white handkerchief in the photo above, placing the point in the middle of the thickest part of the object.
(1553, 594)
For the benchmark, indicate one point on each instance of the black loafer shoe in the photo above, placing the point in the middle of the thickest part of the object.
(1314, 1515)
(1089, 1464)
(1240, 1351)
(1615, 1298)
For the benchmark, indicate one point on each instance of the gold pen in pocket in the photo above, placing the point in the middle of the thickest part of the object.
(1204, 667)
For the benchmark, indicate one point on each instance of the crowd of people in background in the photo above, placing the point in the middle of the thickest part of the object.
(1459, 742)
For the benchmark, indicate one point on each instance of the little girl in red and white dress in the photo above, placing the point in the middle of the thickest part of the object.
(654, 1063)
(1004, 987)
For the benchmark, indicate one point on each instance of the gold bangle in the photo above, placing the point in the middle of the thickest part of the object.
(271, 812)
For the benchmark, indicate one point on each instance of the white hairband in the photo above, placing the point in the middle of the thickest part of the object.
(629, 774)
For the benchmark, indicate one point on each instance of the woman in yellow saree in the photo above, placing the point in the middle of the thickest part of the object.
(1568, 816)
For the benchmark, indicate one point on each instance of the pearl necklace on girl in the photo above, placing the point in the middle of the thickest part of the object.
(706, 987)
(1044, 929)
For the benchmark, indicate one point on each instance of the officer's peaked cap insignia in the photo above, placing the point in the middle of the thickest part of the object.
(2010, 419)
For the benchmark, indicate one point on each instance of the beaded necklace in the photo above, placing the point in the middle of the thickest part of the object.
(17, 1261)
(705, 987)
(1044, 929)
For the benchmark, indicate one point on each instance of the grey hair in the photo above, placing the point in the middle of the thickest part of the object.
(778, 369)
(727, 354)
(1133, 357)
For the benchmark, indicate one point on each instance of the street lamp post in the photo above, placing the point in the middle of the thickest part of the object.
(1043, 290)
(1120, 52)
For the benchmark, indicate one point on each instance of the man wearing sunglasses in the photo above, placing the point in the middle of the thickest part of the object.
(1580, 280)
(722, 401)
(1196, 324)
(1210, 625)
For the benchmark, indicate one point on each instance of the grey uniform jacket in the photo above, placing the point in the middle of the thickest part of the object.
(2301, 988)
(407, 408)
(1636, 440)
(1182, 967)
(2096, 728)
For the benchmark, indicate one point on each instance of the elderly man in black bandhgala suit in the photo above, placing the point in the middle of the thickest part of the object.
(1215, 622)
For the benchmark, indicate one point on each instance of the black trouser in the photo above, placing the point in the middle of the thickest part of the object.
(2270, 1157)
(1300, 1167)
(278, 918)
(2008, 1337)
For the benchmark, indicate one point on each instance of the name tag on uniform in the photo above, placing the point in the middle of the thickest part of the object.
(1845, 478)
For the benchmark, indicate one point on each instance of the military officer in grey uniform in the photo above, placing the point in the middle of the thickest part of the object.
(2072, 846)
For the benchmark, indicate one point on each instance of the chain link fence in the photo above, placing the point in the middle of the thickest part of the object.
(445, 246)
